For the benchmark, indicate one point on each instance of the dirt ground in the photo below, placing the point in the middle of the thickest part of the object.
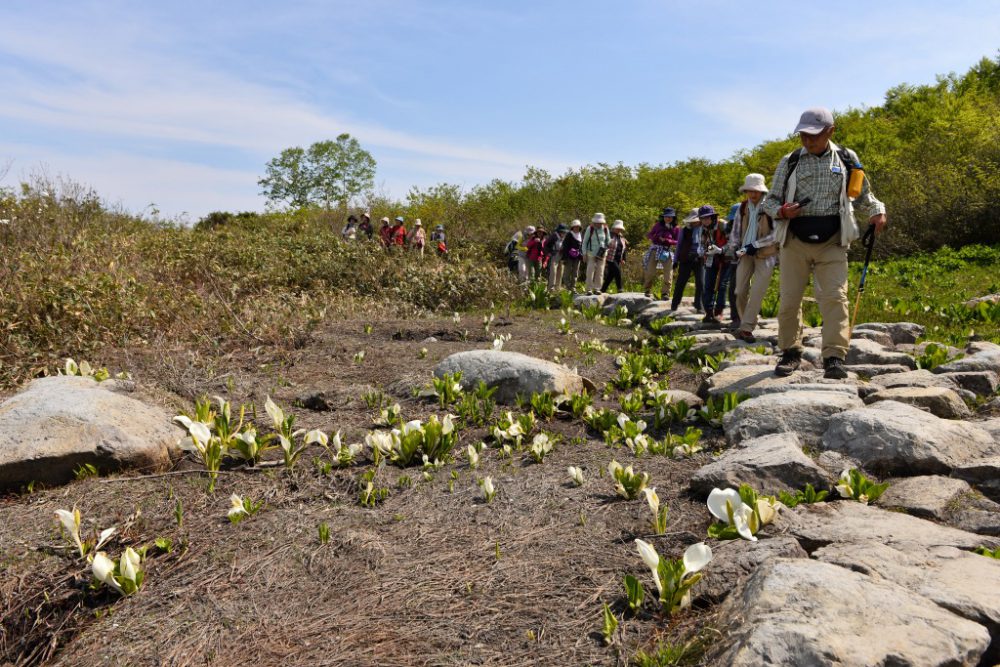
(430, 576)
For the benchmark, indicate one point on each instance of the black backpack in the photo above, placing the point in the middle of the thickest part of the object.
(850, 164)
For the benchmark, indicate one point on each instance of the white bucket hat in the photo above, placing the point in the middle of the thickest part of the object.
(575, 223)
(418, 223)
(598, 219)
(529, 230)
(619, 224)
(692, 216)
(754, 183)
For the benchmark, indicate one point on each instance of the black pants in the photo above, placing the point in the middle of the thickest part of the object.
(612, 272)
(684, 271)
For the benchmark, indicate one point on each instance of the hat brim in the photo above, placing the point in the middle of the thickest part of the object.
(754, 188)
(811, 129)
(692, 218)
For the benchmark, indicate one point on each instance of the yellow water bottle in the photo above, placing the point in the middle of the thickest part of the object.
(856, 182)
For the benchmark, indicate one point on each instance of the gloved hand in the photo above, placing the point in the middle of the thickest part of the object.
(750, 249)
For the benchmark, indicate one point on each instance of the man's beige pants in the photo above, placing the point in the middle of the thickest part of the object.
(753, 275)
(827, 263)
(595, 272)
(649, 274)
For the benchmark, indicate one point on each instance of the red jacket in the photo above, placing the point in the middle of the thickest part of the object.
(397, 235)
(385, 235)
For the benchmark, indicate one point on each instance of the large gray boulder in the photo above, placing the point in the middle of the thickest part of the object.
(769, 464)
(899, 439)
(757, 380)
(58, 423)
(512, 373)
(939, 401)
(869, 352)
(961, 582)
(582, 301)
(804, 612)
(632, 302)
(805, 413)
(880, 337)
(850, 521)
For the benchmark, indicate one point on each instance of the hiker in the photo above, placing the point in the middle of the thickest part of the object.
(350, 230)
(385, 233)
(437, 238)
(752, 239)
(397, 234)
(510, 251)
(690, 254)
(734, 315)
(814, 193)
(718, 271)
(572, 253)
(523, 268)
(535, 253)
(366, 226)
(595, 248)
(554, 247)
(419, 237)
(616, 256)
(663, 242)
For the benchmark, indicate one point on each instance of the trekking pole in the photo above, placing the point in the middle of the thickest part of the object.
(868, 240)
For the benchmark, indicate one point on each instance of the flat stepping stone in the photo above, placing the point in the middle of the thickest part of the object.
(939, 401)
(874, 370)
(733, 561)
(984, 474)
(820, 524)
(897, 439)
(59, 423)
(980, 383)
(919, 378)
(769, 464)
(983, 356)
(902, 333)
(804, 413)
(757, 380)
(945, 499)
(804, 612)
(869, 352)
(963, 583)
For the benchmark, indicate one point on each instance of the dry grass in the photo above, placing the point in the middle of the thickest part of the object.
(415, 581)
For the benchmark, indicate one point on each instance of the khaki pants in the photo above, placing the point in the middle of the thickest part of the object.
(649, 274)
(595, 273)
(827, 263)
(555, 272)
(753, 275)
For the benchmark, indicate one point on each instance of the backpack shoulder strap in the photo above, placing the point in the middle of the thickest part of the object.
(790, 165)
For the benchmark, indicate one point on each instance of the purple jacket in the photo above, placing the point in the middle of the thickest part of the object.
(662, 235)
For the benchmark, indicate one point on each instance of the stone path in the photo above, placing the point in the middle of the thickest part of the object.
(840, 582)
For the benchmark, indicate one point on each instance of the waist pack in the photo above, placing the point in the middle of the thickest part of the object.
(573, 253)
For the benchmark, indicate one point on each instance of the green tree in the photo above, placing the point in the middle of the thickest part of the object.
(326, 174)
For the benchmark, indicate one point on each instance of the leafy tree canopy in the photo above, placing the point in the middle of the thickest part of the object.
(327, 174)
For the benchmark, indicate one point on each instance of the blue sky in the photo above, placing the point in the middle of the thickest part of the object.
(182, 103)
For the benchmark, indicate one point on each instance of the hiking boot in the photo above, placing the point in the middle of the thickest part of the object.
(789, 363)
(699, 310)
(834, 369)
(745, 336)
(710, 319)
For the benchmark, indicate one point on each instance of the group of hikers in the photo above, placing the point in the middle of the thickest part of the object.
(805, 222)
(394, 235)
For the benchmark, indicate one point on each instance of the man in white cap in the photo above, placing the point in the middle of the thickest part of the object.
(814, 194)
(595, 248)
(751, 240)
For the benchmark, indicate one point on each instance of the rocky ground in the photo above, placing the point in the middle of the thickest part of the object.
(435, 575)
